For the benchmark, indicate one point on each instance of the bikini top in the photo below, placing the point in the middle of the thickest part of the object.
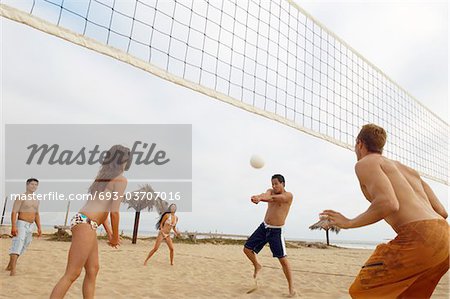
(169, 219)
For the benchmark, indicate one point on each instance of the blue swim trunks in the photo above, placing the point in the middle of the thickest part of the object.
(267, 234)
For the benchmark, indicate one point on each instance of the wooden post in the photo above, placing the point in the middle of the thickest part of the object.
(67, 213)
(136, 226)
(328, 238)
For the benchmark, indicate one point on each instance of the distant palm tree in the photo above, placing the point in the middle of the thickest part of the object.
(143, 198)
(324, 224)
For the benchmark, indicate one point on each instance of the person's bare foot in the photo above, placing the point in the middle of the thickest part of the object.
(292, 293)
(13, 272)
(145, 263)
(8, 268)
(258, 268)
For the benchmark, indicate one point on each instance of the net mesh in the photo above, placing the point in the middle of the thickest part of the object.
(270, 56)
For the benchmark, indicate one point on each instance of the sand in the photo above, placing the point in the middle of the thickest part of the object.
(200, 271)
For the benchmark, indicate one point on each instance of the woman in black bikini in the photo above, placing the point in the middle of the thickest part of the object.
(109, 184)
(166, 223)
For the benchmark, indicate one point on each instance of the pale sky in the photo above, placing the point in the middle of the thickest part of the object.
(48, 80)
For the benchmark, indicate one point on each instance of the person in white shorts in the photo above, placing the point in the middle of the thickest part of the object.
(23, 216)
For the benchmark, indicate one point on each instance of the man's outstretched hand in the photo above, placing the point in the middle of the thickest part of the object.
(256, 199)
(336, 219)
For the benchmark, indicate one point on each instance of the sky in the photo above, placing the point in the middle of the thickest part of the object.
(48, 80)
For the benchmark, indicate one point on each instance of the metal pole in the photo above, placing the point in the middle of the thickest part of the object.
(4, 209)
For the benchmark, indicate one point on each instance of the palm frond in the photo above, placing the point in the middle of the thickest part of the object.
(325, 225)
(145, 198)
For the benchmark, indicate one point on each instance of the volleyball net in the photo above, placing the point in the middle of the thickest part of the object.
(267, 57)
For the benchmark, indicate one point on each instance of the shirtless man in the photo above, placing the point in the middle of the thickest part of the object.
(411, 265)
(25, 212)
(270, 231)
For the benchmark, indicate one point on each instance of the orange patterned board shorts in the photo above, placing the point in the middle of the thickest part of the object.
(410, 266)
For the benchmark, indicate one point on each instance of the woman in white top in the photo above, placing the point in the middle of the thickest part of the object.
(165, 224)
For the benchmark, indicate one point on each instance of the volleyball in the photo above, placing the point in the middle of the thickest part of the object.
(256, 162)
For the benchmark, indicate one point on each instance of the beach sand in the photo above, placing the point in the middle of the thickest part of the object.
(200, 271)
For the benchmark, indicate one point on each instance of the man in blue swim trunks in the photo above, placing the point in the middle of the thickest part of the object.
(271, 230)
(23, 216)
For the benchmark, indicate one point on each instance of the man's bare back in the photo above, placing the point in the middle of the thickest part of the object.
(413, 262)
(415, 199)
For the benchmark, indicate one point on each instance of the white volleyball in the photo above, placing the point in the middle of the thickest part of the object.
(256, 162)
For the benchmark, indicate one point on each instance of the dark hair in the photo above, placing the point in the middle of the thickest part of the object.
(162, 216)
(32, 180)
(112, 166)
(373, 137)
(280, 178)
